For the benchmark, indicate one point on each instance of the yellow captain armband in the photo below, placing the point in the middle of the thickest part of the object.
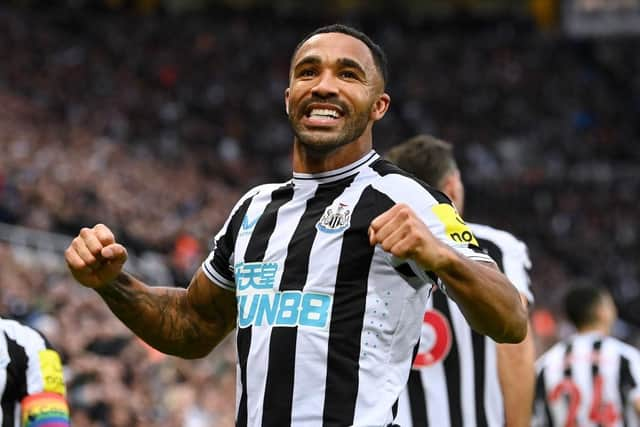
(454, 226)
(51, 370)
(45, 410)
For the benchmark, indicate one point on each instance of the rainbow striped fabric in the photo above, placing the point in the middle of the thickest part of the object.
(45, 410)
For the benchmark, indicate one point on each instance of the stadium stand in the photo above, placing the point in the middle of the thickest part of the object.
(104, 115)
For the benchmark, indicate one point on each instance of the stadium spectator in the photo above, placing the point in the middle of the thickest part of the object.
(32, 387)
(340, 258)
(484, 383)
(109, 373)
(590, 378)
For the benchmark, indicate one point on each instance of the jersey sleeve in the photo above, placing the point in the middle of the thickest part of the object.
(437, 212)
(517, 266)
(218, 266)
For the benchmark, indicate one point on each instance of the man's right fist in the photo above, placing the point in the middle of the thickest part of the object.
(94, 258)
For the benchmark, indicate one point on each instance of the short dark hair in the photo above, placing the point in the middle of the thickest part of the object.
(379, 57)
(581, 302)
(426, 157)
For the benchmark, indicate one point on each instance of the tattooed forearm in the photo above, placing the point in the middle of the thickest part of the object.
(161, 316)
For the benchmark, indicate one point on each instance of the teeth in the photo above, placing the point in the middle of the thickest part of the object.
(324, 112)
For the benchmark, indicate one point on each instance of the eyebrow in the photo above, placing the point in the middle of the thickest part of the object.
(350, 63)
(343, 62)
(308, 60)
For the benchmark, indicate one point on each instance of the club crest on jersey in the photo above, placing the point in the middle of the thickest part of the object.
(335, 219)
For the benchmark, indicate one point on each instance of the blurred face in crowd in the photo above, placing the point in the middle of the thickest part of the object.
(335, 92)
(607, 312)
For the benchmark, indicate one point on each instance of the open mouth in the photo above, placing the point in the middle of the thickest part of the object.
(323, 113)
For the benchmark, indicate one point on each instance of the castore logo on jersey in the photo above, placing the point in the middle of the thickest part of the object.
(247, 224)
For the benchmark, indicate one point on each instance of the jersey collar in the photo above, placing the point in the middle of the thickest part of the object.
(337, 174)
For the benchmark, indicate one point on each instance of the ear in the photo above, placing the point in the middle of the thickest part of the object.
(380, 107)
(451, 185)
(286, 101)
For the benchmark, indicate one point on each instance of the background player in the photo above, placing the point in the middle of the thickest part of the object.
(324, 274)
(31, 380)
(460, 377)
(589, 379)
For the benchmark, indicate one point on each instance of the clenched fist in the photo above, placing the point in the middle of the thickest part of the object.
(400, 232)
(94, 258)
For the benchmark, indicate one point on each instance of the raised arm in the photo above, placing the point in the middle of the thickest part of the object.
(184, 322)
(489, 302)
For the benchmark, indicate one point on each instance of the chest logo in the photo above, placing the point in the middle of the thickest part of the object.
(335, 219)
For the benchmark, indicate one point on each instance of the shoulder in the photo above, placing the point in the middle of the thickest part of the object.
(262, 189)
(21, 333)
(626, 350)
(552, 355)
(258, 190)
(502, 238)
(27, 339)
(403, 187)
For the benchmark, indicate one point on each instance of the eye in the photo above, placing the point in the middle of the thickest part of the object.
(307, 72)
(348, 74)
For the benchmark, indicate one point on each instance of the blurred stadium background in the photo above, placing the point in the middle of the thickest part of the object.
(153, 117)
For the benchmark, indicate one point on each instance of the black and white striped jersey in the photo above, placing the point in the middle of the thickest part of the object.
(327, 323)
(31, 379)
(587, 380)
(454, 381)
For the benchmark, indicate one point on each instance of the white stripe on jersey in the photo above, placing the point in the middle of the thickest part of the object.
(351, 368)
(512, 256)
(569, 372)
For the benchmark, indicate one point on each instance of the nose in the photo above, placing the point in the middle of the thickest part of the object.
(325, 86)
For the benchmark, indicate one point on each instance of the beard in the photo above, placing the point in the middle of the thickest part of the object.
(353, 127)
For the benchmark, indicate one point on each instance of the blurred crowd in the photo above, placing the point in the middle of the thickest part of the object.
(155, 125)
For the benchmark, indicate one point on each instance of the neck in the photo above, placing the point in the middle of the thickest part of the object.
(309, 160)
(587, 329)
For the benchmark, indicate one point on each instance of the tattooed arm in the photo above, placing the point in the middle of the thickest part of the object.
(183, 322)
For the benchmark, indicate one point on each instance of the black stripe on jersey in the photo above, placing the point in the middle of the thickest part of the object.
(347, 316)
(224, 246)
(625, 384)
(479, 348)
(595, 354)
(567, 371)
(493, 251)
(417, 400)
(385, 167)
(405, 270)
(451, 365)
(541, 398)
(278, 395)
(16, 382)
(256, 249)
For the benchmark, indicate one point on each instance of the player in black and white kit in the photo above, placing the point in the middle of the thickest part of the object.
(325, 276)
(31, 379)
(589, 379)
(460, 377)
